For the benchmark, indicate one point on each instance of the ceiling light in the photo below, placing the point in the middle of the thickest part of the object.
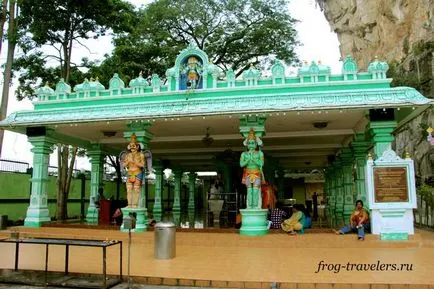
(320, 124)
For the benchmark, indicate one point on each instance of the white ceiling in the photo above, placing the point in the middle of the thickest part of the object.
(290, 137)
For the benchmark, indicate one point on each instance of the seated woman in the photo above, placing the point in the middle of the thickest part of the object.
(359, 221)
(295, 223)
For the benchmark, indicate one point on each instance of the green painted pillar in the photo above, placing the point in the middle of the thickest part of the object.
(255, 122)
(37, 212)
(381, 136)
(339, 210)
(177, 194)
(360, 150)
(141, 130)
(327, 193)
(97, 165)
(158, 210)
(191, 190)
(226, 171)
(332, 196)
(254, 219)
(281, 182)
(227, 178)
(347, 182)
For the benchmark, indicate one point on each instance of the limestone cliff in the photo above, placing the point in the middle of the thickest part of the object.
(400, 32)
(412, 138)
(383, 28)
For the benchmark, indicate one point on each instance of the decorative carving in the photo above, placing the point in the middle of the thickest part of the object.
(389, 155)
(155, 82)
(116, 82)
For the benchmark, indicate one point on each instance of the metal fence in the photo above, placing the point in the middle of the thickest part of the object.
(424, 214)
(13, 166)
(23, 167)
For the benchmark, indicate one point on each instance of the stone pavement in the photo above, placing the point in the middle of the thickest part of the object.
(119, 286)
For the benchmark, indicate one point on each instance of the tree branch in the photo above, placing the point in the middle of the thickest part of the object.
(234, 37)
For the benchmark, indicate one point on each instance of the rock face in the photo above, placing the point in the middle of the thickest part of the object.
(400, 31)
(412, 138)
(383, 28)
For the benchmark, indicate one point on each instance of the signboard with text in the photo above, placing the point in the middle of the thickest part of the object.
(390, 184)
(391, 192)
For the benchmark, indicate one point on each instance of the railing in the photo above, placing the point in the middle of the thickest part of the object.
(424, 214)
(13, 166)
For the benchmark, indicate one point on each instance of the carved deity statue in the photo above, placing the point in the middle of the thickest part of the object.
(193, 72)
(134, 162)
(252, 161)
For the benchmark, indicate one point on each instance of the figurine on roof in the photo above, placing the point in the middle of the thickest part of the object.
(191, 72)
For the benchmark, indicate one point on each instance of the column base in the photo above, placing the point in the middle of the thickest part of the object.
(36, 217)
(176, 217)
(92, 216)
(394, 236)
(392, 224)
(254, 222)
(141, 219)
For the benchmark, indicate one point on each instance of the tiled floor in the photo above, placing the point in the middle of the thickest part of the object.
(222, 259)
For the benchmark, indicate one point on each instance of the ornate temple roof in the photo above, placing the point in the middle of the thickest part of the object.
(314, 88)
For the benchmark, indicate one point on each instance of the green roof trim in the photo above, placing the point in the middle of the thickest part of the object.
(222, 104)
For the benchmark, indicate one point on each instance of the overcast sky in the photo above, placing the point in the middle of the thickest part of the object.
(318, 43)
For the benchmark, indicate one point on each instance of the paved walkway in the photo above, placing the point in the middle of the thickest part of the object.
(230, 260)
(120, 286)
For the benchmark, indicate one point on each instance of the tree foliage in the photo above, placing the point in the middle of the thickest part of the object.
(60, 25)
(63, 25)
(233, 33)
(419, 73)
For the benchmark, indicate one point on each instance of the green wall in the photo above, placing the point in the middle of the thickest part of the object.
(15, 194)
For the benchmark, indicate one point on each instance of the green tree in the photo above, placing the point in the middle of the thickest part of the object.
(234, 34)
(62, 24)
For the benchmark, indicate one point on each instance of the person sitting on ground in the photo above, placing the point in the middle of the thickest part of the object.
(295, 223)
(117, 217)
(277, 216)
(359, 221)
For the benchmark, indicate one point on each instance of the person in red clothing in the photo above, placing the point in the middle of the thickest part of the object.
(268, 196)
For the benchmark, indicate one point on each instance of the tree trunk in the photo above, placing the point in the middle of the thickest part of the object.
(7, 76)
(116, 164)
(3, 21)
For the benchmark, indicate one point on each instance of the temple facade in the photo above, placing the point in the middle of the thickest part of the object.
(314, 125)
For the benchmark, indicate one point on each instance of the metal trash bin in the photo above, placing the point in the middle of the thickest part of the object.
(3, 222)
(164, 240)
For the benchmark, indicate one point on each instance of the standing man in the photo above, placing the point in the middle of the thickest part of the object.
(315, 206)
